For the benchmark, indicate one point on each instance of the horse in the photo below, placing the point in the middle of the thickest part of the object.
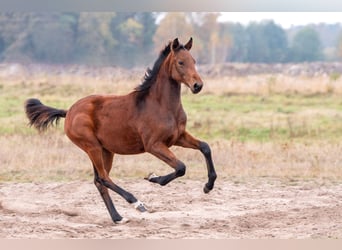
(149, 119)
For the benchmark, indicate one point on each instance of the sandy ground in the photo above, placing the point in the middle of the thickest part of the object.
(262, 208)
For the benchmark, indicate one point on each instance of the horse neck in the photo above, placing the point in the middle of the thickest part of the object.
(166, 90)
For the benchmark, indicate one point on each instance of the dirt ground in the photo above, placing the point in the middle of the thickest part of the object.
(261, 208)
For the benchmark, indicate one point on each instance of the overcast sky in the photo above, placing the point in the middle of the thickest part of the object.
(285, 19)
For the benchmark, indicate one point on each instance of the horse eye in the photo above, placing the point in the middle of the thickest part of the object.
(181, 63)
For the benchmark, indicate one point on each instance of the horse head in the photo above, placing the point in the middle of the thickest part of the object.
(182, 66)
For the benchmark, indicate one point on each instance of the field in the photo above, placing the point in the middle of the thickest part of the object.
(275, 139)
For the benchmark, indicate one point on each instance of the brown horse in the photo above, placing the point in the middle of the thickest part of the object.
(149, 119)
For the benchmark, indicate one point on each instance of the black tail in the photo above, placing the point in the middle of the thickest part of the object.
(42, 116)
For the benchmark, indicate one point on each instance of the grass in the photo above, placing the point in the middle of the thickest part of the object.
(263, 119)
(255, 130)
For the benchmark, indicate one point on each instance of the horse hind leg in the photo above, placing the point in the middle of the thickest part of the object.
(102, 162)
(108, 163)
(116, 217)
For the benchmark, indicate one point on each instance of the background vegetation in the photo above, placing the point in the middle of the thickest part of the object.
(133, 38)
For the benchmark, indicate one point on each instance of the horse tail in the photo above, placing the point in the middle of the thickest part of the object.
(41, 116)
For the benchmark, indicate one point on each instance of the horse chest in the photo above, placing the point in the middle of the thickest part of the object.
(171, 127)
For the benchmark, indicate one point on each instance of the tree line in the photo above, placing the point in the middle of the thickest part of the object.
(134, 38)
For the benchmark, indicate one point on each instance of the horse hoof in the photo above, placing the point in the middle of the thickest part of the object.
(122, 221)
(140, 206)
(206, 190)
(151, 176)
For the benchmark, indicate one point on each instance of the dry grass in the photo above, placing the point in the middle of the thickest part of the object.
(264, 85)
(52, 157)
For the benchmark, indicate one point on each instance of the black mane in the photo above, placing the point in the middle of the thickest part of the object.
(150, 75)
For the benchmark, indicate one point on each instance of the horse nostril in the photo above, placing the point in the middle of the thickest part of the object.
(197, 87)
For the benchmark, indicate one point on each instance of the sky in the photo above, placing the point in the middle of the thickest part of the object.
(285, 19)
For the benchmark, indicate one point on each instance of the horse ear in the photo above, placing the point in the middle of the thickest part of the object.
(189, 44)
(175, 44)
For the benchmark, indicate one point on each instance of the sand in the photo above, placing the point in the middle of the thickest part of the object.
(251, 209)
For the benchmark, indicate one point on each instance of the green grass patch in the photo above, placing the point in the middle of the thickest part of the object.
(240, 117)
(258, 118)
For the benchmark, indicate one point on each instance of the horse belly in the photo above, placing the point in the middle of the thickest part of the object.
(122, 142)
(126, 148)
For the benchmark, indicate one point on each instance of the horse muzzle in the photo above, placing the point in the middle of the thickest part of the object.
(196, 88)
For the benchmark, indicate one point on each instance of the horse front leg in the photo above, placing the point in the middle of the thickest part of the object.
(188, 141)
(162, 152)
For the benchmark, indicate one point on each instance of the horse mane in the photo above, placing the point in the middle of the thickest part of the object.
(150, 76)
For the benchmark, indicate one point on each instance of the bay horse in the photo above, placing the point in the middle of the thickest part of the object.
(149, 119)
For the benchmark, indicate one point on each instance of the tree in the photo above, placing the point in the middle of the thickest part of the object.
(2, 45)
(339, 47)
(148, 22)
(124, 38)
(134, 32)
(306, 46)
(14, 29)
(52, 37)
(276, 40)
(95, 42)
(267, 42)
(238, 49)
(210, 35)
(174, 24)
(224, 46)
(211, 45)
